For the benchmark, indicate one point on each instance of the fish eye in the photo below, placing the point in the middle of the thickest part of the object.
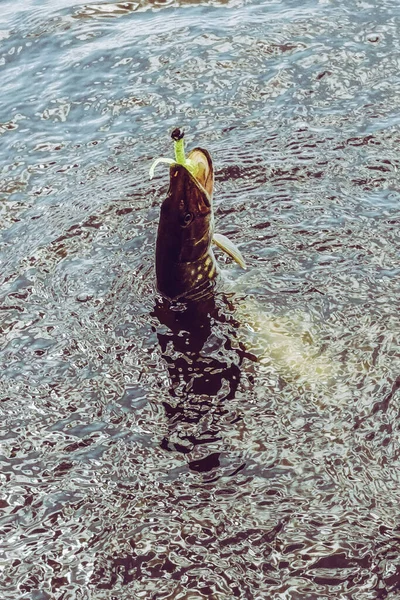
(187, 218)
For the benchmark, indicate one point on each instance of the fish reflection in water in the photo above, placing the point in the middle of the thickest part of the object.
(204, 367)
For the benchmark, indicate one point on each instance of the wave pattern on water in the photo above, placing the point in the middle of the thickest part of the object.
(246, 448)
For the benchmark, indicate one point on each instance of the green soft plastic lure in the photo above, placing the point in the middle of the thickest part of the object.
(180, 158)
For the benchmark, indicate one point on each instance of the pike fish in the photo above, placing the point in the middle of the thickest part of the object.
(185, 263)
(186, 269)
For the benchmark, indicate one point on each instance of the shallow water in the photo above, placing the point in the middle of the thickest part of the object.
(150, 453)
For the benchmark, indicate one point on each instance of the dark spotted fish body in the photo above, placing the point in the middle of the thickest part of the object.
(185, 262)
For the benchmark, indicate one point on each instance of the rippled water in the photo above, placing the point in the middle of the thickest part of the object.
(247, 447)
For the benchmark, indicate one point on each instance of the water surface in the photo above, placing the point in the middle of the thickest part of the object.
(247, 448)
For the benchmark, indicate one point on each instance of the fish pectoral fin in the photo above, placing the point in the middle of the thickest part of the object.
(229, 248)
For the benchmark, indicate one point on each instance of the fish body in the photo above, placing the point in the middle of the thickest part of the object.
(185, 262)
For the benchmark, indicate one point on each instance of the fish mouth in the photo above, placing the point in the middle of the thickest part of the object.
(203, 171)
(192, 188)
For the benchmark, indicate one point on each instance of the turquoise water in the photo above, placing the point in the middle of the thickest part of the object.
(248, 449)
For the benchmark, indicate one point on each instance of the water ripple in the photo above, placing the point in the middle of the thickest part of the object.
(247, 447)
